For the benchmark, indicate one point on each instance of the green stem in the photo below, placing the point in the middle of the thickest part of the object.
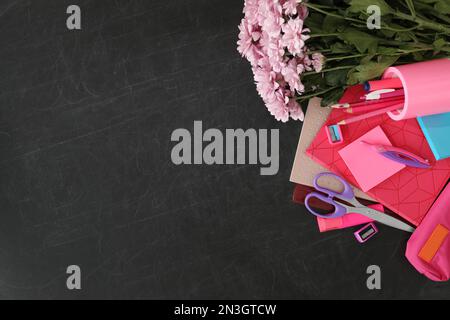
(316, 8)
(415, 50)
(317, 35)
(319, 51)
(301, 98)
(346, 57)
(433, 11)
(411, 8)
(424, 23)
(327, 70)
(387, 27)
(393, 43)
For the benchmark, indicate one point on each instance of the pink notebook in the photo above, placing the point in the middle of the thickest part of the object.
(410, 192)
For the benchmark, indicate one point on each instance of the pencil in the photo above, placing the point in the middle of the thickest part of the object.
(396, 93)
(370, 114)
(365, 103)
(373, 107)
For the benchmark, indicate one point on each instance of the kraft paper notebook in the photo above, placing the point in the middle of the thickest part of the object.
(305, 169)
(409, 193)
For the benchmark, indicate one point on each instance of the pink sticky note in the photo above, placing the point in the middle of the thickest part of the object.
(367, 166)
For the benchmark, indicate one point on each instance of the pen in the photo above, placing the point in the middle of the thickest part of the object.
(384, 94)
(394, 83)
(366, 103)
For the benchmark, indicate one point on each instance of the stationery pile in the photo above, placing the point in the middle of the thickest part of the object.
(382, 155)
(388, 138)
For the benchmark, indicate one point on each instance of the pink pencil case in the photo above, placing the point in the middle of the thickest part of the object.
(426, 86)
(429, 247)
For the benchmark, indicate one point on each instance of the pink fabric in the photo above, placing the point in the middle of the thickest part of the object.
(439, 214)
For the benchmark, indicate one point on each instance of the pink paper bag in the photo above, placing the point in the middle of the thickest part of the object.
(429, 247)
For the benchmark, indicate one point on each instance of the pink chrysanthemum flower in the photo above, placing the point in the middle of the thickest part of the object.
(251, 8)
(295, 111)
(248, 42)
(302, 12)
(291, 73)
(279, 106)
(274, 20)
(290, 7)
(266, 83)
(275, 53)
(294, 36)
(306, 61)
(318, 61)
(272, 38)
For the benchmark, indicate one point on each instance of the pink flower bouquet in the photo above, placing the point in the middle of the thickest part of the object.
(299, 50)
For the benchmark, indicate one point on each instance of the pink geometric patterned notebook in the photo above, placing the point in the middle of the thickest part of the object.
(409, 193)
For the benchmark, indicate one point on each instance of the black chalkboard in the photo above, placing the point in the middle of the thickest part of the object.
(87, 179)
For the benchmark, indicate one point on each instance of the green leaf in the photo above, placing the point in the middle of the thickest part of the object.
(404, 36)
(443, 6)
(315, 23)
(362, 41)
(331, 24)
(340, 47)
(332, 97)
(418, 56)
(367, 59)
(439, 44)
(387, 33)
(372, 69)
(336, 78)
(388, 51)
(362, 5)
(314, 81)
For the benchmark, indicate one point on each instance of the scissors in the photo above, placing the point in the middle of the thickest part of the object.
(332, 197)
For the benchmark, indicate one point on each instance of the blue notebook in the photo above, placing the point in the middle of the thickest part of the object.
(436, 129)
